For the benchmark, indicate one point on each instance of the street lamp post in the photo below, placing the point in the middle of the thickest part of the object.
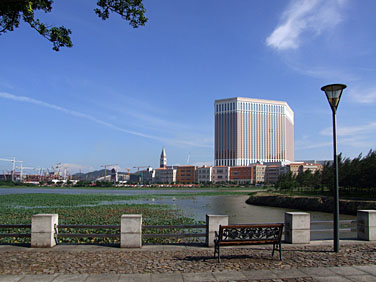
(333, 93)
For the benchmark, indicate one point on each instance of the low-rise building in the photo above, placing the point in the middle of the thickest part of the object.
(313, 167)
(165, 175)
(294, 168)
(299, 167)
(241, 174)
(272, 173)
(204, 174)
(185, 174)
(258, 173)
(220, 174)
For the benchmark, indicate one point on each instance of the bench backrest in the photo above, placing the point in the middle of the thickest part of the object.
(263, 233)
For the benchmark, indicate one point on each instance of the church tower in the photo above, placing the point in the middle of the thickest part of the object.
(163, 161)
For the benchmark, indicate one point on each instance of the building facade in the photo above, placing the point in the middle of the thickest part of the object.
(272, 173)
(258, 173)
(241, 174)
(185, 174)
(165, 175)
(204, 174)
(220, 174)
(249, 130)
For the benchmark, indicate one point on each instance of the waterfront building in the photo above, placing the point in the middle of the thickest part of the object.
(165, 175)
(313, 167)
(163, 159)
(272, 173)
(220, 174)
(300, 167)
(204, 174)
(241, 174)
(249, 130)
(146, 176)
(185, 174)
(258, 173)
(294, 168)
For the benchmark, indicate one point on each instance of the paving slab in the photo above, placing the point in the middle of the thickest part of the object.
(135, 277)
(70, 278)
(167, 277)
(331, 279)
(39, 278)
(346, 270)
(317, 271)
(102, 277)
(371, 269)
(229, 275)
(10, 278)
(362, 278)
(289, 273)
(260, 274)
(199, 276)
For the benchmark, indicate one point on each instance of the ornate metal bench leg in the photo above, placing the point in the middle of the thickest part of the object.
(219, 254)
(280, 251)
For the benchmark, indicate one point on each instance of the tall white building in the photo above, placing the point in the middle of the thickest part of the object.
(249, 130)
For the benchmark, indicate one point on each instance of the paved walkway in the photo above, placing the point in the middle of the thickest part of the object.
(356, 261)
(327, 274)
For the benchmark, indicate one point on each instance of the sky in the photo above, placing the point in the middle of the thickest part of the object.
(121, 94)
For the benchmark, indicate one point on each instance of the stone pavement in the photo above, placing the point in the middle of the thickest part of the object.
(356, 261)
(325, 274)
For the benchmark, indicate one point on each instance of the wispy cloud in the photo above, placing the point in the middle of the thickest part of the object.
(351, 130)
(309, 145)
(365, 96)
(328, 73)
(304, 16)
(24, 99)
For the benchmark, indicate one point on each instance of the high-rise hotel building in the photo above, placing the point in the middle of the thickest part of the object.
(249, 130)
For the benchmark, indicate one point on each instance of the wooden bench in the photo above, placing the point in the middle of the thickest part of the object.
(249, 234)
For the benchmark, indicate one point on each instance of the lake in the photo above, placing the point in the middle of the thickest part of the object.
(198, 206)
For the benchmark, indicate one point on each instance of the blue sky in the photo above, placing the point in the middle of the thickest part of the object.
(121, 94)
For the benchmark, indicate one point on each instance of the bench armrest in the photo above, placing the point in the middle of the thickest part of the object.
(216, 234)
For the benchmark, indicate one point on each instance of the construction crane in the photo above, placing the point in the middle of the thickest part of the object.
(13, 165)
(105, 169)
(138, 167)
(30, 168)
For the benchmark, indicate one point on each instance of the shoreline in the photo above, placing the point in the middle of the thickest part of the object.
(310, 203)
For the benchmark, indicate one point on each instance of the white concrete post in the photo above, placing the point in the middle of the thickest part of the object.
(297, 227)
(212, 225)
(131, 231)
(43, 230)
(366, 225)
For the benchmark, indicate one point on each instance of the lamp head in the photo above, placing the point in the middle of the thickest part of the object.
(333, 93)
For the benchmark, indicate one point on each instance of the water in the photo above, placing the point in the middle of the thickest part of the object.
(198, 206)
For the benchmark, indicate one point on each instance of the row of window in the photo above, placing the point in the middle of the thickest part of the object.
(246, 106)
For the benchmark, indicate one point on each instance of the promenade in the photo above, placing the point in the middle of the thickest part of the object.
(356, 261)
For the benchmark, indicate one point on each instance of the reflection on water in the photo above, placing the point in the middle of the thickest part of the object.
(240, 212)
(198, 206)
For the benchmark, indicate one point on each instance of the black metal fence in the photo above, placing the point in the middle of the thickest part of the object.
(8, 230)
(324, 229)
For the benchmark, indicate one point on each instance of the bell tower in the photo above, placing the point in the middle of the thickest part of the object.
(163, 161)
